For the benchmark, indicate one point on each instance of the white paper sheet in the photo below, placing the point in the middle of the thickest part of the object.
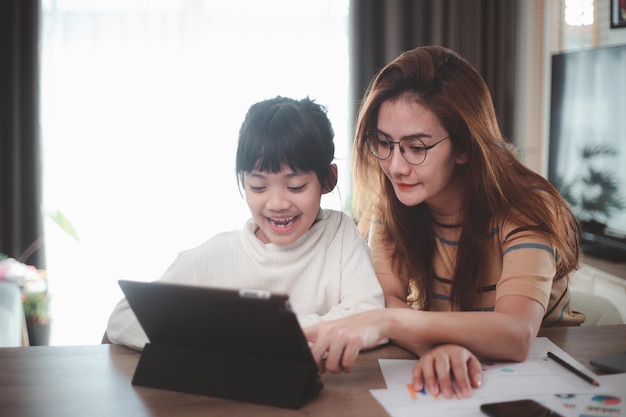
(538, 377)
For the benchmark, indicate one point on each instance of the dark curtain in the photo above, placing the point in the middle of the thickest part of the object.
(21, 221)
(482, 31)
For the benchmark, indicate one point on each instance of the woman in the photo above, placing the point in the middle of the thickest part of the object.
(472, 249)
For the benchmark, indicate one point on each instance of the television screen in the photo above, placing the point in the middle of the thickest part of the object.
(587, 161)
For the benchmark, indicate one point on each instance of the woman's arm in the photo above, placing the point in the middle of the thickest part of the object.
(458, 337)
(506, 333)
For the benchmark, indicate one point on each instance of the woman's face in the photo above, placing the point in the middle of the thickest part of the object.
(433, 181)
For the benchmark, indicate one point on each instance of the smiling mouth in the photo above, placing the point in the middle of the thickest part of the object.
(283, 222)
(404, 186)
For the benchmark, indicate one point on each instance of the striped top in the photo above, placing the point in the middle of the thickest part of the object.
(520, 263)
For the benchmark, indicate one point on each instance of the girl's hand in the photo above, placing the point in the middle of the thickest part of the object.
(437, 368)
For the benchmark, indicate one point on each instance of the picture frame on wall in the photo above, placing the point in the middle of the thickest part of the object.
(618, 13)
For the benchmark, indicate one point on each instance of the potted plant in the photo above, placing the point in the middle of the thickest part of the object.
(34, 285)
(37, 313)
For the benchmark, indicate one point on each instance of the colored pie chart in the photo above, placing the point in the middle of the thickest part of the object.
(606, 399)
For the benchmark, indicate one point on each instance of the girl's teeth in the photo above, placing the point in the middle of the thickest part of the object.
(281, 222)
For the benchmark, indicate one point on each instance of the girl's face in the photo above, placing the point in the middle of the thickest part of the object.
(284, 205)
(433, 181)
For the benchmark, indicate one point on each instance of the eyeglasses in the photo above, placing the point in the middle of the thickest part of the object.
(413, 150)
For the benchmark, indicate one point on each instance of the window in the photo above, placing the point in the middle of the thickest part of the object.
(579, 12)
(578, 30)
(141, 106)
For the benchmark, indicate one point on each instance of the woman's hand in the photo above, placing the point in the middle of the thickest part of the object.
(340, 341)
(444, 363)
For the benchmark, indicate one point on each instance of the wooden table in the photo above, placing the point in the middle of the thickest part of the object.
(92, 381)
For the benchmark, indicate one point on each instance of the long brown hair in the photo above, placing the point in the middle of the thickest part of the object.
(495, 182)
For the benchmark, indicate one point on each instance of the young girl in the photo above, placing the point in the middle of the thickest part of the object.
(472, 249)
(290, 245)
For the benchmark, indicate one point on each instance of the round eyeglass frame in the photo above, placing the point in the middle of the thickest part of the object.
(377, 136)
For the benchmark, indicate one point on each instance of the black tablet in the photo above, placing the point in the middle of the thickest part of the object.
(242, 344)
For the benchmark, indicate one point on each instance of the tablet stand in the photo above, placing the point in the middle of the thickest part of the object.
(282, 383)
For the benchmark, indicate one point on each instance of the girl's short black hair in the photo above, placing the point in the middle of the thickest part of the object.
(283, 132)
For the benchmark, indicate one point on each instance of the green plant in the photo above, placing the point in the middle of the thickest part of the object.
(593, 194)
(37, 307)
(37, 304)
